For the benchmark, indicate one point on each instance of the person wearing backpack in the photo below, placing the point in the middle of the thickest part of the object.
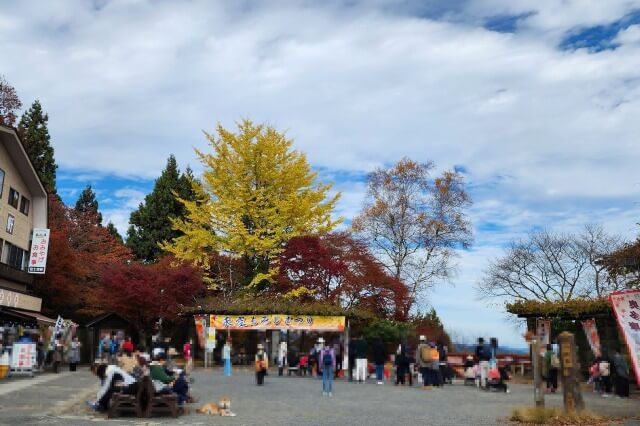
(604, 370)
(484, 355)
(552, 366)
(424, 360)
(328, 359)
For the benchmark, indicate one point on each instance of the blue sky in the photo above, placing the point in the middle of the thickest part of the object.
(536, 102)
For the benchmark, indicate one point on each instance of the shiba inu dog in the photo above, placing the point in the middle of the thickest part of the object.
(222, 408)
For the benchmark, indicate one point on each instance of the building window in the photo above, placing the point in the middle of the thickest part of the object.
(14, 197)
(24, 205)
(11, 221)
(1, 181)
(13, 256)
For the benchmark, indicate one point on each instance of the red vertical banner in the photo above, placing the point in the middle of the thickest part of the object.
(626, 306)
(591, 331)
(201, 329)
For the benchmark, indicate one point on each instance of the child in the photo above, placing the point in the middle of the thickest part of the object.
(303, 364)
(181, 388)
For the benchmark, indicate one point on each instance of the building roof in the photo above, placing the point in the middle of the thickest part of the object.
(10, 139)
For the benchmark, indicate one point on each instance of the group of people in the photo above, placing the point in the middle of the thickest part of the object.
(610, 374)
(432, 361)
(130, 368)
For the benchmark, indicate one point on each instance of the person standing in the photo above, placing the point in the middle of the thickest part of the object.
(621, 367)
(186, 350)
(402, 363)
(328, 359)
(226, 357)
(113, 349)
(262, 363)
(552, 365)
(361, 349)
(379, 357)
(57, 353)
(282, 357)
(423, 358)
(483, 354)
(127, 346)
(74, 354)
(604, 369)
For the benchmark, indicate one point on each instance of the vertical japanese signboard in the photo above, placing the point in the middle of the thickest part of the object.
(39, 249)
(544, 331)
(626, 305)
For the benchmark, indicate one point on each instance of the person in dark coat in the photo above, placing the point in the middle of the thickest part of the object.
(379, 357)
(402, 363)
(621, 380)
(181, 388)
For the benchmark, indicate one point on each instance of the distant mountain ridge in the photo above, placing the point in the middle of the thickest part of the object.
(463, 347)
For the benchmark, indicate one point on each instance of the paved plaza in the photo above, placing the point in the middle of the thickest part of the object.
(58, 400)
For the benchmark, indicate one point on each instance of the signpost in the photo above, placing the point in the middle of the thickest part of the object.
(569, 372)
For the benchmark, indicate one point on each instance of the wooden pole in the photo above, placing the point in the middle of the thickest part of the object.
(569, 373)
(538, 391)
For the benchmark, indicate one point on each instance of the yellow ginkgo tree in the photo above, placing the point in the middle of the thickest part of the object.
(255, 194)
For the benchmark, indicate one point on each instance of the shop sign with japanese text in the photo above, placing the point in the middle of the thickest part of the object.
(626, 305)
(279, 322)
(39, 248)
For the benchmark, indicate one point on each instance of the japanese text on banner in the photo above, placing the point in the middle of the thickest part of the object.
(276, 321)
(626, 305)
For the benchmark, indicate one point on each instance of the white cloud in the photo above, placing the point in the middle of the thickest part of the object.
(554, 132)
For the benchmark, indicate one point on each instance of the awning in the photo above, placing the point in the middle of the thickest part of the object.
(29, 315)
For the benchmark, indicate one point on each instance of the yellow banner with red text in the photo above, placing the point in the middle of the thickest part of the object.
(278, 322)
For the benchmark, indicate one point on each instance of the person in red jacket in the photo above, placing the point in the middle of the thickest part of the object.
(127, 346)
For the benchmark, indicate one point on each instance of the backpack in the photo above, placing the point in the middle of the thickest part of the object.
(327, 359)
(555, 361)
(425, 354)
(604, 368)
(435, 355)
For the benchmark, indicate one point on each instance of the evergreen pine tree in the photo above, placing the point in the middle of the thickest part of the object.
(150, 224)
(114, 231)
(87, 203)
(37, 142)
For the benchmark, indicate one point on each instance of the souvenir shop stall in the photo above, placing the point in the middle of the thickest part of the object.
(20, 332)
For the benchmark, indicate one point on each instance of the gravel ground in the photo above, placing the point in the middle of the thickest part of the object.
(296, 401)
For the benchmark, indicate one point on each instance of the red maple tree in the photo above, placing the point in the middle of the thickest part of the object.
(79, 249)
(144, 293)
(337, 268)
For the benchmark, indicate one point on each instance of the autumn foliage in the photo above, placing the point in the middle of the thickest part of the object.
(78, 251)
(338, 269)
(145, 292)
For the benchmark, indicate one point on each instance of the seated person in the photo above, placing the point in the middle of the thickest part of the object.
(161, 380)
(181, 388)
(109, 376)
(127, 346)
(128, 362)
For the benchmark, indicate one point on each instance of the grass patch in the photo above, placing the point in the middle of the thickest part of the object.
(557, 417)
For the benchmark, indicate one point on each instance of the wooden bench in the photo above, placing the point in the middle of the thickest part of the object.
(156, 405)
(121, 404)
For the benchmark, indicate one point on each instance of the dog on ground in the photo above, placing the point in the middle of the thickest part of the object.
(221, 408)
